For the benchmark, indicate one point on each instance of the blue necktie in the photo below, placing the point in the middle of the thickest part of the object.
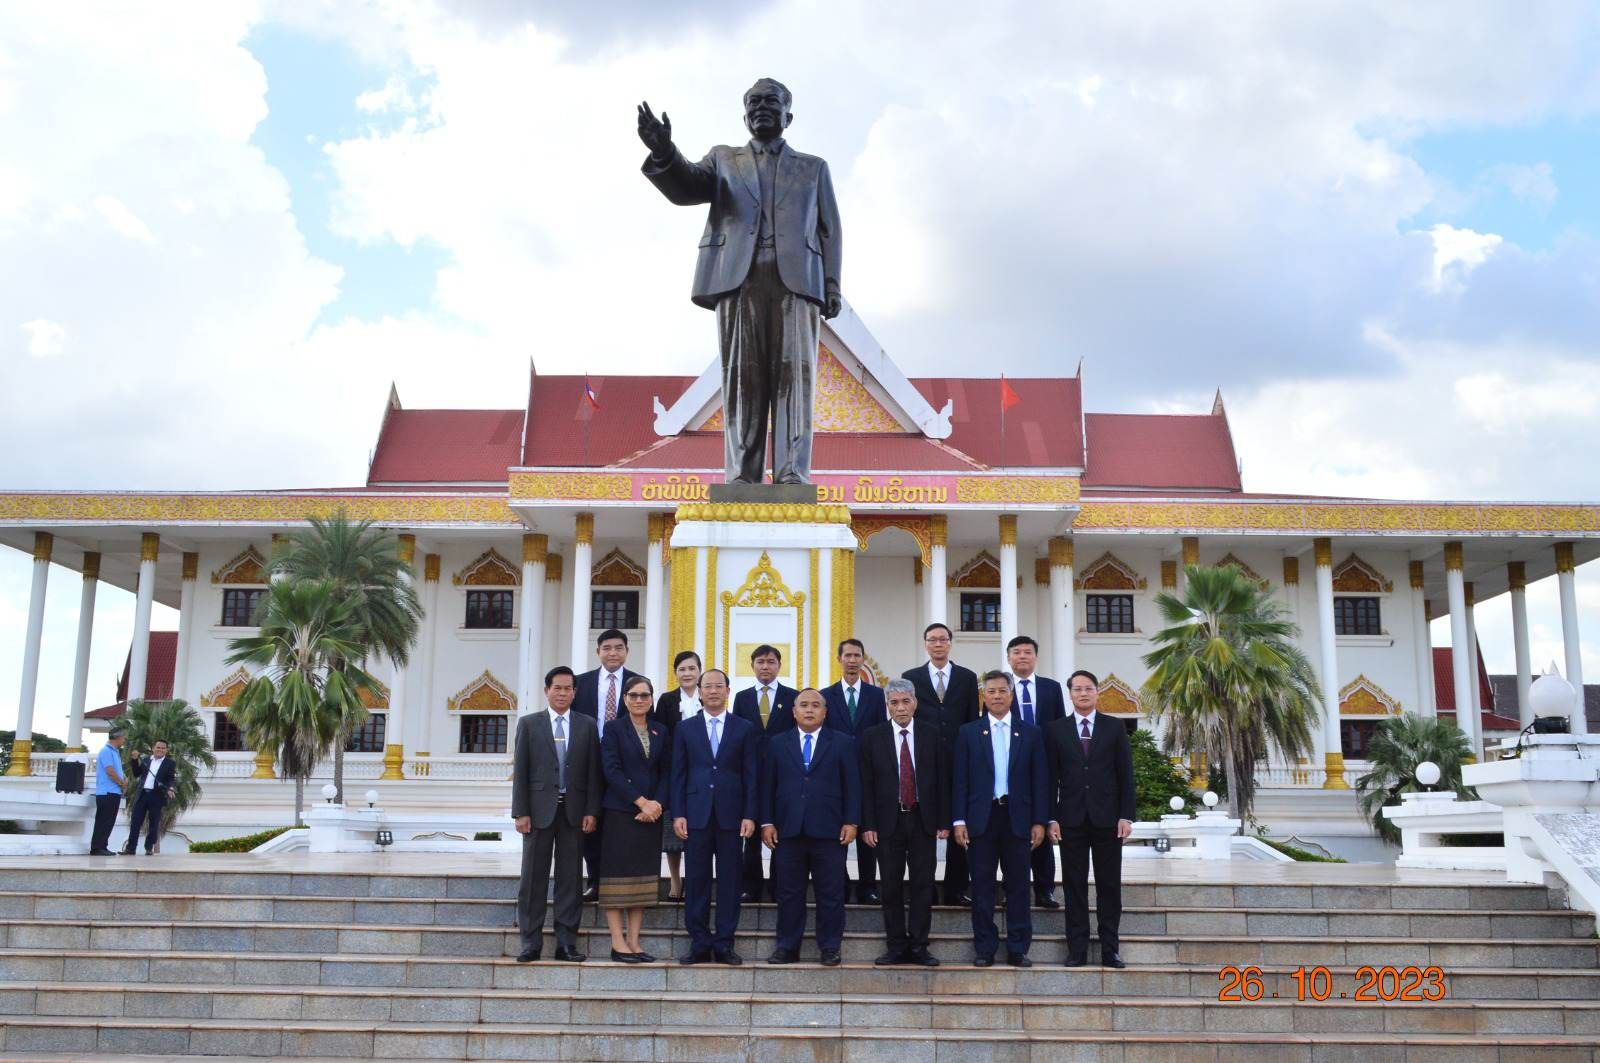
(805, 752)
(716, 734)
(1027, 702)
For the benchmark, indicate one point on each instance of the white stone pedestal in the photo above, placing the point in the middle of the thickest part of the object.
(64, 822)
(1425, 817)
(1554, 774)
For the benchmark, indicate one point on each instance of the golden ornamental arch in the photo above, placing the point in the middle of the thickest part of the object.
(226, 692)
(375, 698)
(1108, 572)
(616, 569)
(247, 567)
(489, 569)
(1362, 697)
(1355, 576)
(1118, 698)
(763, 588)
(1244, 570)
(982, 571)
(866, 525)
(483, 694)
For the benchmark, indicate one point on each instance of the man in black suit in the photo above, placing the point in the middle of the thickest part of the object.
(947, 698)
(810, 808)
(998, 808)
(1092, 809)
(154, 786)
(855, 706)
(599, 697)
(555, 799)
(1039, 700)
(905, 812)
(713, 802)
(769, 707)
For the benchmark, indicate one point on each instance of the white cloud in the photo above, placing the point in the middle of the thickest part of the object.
(46, 339)
(123, 220)
(1457, 252)
(1533, 184)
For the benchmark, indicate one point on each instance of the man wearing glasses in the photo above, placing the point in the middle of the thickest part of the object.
(947, 698)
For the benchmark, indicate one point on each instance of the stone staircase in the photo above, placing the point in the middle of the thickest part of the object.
(236, 962)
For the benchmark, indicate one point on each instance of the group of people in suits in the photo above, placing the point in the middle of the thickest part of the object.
(1003, 767)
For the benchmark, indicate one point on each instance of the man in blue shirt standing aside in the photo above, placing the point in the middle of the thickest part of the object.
(108, 787)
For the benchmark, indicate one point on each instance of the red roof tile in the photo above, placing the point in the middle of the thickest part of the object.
(564, 430)
(1160, 451)
(1444, 689)
(159, 675)
(1045, 429)
(446, 446)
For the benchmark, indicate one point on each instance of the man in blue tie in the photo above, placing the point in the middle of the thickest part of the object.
(999, 809)
(810, 807)
(1039, 700)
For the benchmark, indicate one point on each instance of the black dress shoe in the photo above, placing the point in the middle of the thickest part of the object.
(892, 959)
(783, 956)
(871, 896)
(983, 961)
(1112, 959)
(591, 895)
(749, 897)
(924, 958)
(128, 852)
(1017, 959)
(727, 956)
(528, 955)
(625, 957)
(695, 956)
(1045, 900)
(831, 958)
(566, 955)
(1076, 961)
(101, 852)
(964, 900)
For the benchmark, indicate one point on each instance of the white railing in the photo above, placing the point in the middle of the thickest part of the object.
(459, 768)
(1301, 777)
(43, 765)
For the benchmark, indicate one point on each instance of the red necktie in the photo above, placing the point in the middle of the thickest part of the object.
(1084, 738)
(908, 776)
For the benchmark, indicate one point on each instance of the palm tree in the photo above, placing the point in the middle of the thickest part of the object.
(296, 705)
(1227, 672)
(182, 728)
(1401, 743)
(362, 566)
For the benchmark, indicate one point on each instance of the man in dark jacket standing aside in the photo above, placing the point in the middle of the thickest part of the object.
(153, 787)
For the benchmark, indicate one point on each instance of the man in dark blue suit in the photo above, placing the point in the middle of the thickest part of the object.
(999, 807)
(769, 705)
(1039, 700)
(599, 697)
(810, 807)
(855, 706)
(714, 766)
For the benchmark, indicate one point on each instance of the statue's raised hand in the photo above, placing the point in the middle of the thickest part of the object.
(656, 133)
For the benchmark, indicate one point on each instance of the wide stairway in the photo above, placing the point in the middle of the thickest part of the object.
(128, 959)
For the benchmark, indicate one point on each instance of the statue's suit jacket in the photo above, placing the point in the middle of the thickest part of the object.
(805, 218)
(535, 783)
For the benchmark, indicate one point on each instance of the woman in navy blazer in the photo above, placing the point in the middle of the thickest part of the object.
(636, 758)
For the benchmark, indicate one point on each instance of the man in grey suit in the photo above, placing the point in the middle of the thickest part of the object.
(555, 799)
(769, 264)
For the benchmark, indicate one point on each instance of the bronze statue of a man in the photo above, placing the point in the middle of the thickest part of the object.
(768, 265)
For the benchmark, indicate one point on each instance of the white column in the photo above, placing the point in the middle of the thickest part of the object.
(530, 655)
(394, 725)
(1333, 749)
(655, 602)
(1423, 642)
(938, 581)
(554, 564)
(139, 662)
(80, 663)
(1472, 654)
(1517, 577)
(418, 734)
(1008, 582)
(1455, 584)
(22, 747)
(1566, 581)
(186, 632)
(582, 569)
(1063, 633)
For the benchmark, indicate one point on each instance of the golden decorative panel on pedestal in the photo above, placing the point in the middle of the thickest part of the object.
(246, 567)
(224, 694)
(982, 571)
(488, 569)
(1117, 698)
(1362, 697)
(483, 694)
(1109, 573)
(616, 569)
(1355, 576)
(763, 588)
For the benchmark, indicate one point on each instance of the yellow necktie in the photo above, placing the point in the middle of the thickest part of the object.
(766, 706)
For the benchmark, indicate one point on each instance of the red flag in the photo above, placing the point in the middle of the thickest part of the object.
(588, 393)
(1008, 395)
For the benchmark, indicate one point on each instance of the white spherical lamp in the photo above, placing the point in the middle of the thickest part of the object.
(329, 792)
(1176, 804)
(1552, 695)
(1210, 799)
(1428, 773)
(372, 798)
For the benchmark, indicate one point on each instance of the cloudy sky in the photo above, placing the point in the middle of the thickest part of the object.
(224, 231)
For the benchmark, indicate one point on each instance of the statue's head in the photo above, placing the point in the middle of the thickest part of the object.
(766, 109)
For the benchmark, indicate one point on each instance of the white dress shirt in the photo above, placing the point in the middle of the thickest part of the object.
(151, 770)
(910, 730)
(935, 672)
(605, 678)
(1077, 723)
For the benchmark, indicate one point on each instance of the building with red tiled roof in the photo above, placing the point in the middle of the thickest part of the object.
(158, 682)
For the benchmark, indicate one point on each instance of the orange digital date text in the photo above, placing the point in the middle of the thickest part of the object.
(1372, 985)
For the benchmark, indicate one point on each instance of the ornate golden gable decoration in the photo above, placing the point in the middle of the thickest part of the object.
(1116, 698)
(981, 571)
(247, 567)
(842, 403)
(1108, 572)
(1362, 697)
(616, 569)
(376, 699)
(1244, 570)
(1355, 576)
(490, 569)
(483, 694)
(225, 693)
(763, 588)
(866, 526)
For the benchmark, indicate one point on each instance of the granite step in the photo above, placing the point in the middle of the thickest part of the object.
(1136, 919)
(711, 1044)
(908, 1011)
(448, 973)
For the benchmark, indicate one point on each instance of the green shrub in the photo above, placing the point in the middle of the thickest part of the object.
(237, 845)
(486, 836)
(1473, 841)
(10, 826)
(1156, 780)
(1305, 856)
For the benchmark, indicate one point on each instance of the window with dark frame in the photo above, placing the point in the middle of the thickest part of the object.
(1355, 737)
(1354, 615)
(225, 735)
(1108, 614)
(980, 612)
(483, 734)
(368, 738)
(489, 609)
(239, 605)
(618, 609)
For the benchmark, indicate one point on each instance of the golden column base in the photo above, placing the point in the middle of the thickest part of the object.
(1333, 764)
(21, 757)
(264, 765)
(76, 749)
(393, 763)
(1199, 772)
(1470, 758)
